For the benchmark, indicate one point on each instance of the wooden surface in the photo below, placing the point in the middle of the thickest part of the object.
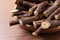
(15, 32)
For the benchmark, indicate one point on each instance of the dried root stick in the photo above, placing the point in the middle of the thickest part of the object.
(46, 25)
(51, 9)
(17, 13)
(14, 22)
(31, 10)
(25, 3)
(54, 13)
(51, 30)
(29, 19)
(41, 7)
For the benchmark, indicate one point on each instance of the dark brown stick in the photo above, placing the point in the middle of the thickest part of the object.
(45, 25)
(29, 28)
(37, 31)
(21, 8)
(13, 11)
(52, 8)
(57, 16)
(31, 10)
(41, 7)
(54, 13)
(14, 22)
(29, 19)
(25, 4)
(51, 30)
(25, 15)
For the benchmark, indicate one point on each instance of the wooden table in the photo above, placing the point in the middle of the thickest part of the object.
(15, 32)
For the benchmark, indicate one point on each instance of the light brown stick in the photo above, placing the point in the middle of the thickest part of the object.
(37, 31)
(22, 8)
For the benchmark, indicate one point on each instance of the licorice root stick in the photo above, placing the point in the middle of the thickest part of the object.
(22, 8)
(26, 4)
(31, 10)
(29, 19)
(54, 13)
(37, 31)
(41, 7)
(51, 9)
(17, 13)
(46, 25)
(24, 15)
(14, 22)
(40, 30)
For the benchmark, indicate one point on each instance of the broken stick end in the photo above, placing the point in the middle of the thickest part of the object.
(20, 21)
(13, 11)
(45, 14)
(30, 11)
(34, 34)
(45, 24)
(35, 13)
(34, 24)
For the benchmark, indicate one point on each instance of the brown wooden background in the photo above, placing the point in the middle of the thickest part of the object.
(15, 32)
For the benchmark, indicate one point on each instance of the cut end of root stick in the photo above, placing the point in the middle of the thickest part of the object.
(20, 21)
(34, 34)
(15, 17)
(45, 14)
(34, 24)
(56, 16)
(27, 25)
(13, 11)
(30, 11)
(35, 13)
(45, 24)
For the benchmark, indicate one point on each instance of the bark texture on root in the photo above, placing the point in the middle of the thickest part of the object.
(41, 7)
(51, 9)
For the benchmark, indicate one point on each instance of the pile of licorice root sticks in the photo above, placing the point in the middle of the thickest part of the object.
(37, 16)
